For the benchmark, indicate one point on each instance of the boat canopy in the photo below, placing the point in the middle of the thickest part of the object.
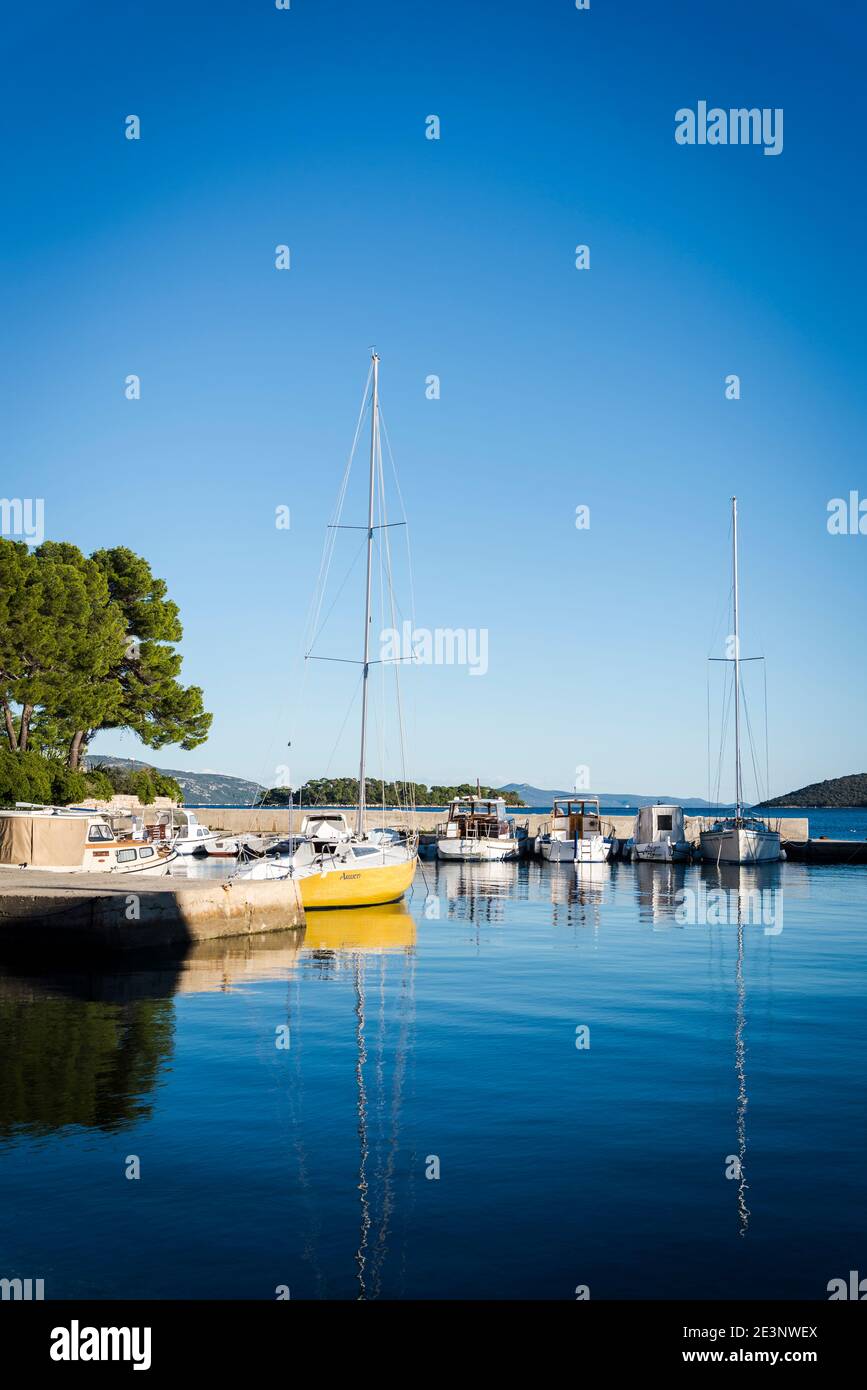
(655, 821)
(42, 840)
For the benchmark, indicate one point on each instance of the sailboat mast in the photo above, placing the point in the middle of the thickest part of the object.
(374, 429)
(738, 797)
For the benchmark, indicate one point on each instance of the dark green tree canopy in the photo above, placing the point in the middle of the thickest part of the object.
(86, 644)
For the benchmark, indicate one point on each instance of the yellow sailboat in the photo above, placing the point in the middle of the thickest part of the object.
(336, 867)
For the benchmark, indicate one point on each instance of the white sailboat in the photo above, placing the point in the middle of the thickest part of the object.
(739, 839)
(334, 865)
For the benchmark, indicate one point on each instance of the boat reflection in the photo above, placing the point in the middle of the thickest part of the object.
(577, 892)
(740, 896)
(657, 889)
(362, 940)
(368, 929)
(477, 892)
(88, 1047)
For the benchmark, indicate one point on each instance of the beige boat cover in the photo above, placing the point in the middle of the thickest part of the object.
(43, 841)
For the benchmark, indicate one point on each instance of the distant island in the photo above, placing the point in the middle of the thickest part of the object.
(836, 791)
(610, 801)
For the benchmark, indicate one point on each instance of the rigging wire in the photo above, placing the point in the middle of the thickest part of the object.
(289, 711)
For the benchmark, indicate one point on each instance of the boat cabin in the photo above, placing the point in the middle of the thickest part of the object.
(659, 824)
(73, 841)
(476, 817)
(576, 816)
(177, 824)
(326, 829)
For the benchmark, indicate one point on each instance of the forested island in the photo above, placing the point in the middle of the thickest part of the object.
(87, 644)
(836, 791)
(343, 791)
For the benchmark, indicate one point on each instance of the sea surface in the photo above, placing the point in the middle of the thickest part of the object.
(524, 1081)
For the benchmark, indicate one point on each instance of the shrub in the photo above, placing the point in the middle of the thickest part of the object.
(68, 786)
(23, 777)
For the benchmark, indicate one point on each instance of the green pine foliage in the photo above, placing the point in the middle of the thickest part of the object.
(343, 791)
(86, 644)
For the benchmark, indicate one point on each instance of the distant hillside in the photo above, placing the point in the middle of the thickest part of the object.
(219, 789)
(837, 791)
(199, 788)
(539, 796)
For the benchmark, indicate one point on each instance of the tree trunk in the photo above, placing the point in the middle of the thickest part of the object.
(10, 727)
(24, 734)
(75, 748)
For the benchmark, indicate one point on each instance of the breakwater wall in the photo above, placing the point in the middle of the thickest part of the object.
(276, 821)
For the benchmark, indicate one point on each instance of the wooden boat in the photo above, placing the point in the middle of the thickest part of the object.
(478, 829)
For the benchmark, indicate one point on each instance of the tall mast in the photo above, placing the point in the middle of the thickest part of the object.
(737, 661)
(374, 431)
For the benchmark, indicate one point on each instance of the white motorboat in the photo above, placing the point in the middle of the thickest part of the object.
(247, 844)
(739, 839)
(574, 832)
(181, 829)
(478, 830)
(76, 841)
(658, 835)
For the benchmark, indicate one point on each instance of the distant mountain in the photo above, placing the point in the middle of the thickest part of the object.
(219, 789)
(837, 791)
(199, 788)
(609, 801)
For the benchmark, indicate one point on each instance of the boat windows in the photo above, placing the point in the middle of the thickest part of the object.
(124, 855)
(145, 853)
(363, 852)
(100, 832)
(663, 822)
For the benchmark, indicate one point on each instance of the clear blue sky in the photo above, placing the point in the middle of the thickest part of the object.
(455, 257)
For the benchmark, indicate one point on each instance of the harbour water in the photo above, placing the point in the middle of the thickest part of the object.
(522, 1082)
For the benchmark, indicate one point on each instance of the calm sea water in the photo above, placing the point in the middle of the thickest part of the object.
(439, 1038)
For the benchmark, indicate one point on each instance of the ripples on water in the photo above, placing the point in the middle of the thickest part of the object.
(432, 1129)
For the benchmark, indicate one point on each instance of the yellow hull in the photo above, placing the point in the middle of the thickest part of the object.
(357, 887)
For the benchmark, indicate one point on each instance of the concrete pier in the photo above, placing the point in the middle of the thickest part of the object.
(124, 912)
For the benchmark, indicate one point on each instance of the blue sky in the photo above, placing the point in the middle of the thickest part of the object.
(559, 387)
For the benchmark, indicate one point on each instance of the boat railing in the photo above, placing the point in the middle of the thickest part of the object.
(473, 828)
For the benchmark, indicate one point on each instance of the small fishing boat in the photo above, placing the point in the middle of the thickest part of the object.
(181, 829)
(478, 829)
(79, 841)
(574, 832)
(739, 839)
(248, 844)
(658, 835)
